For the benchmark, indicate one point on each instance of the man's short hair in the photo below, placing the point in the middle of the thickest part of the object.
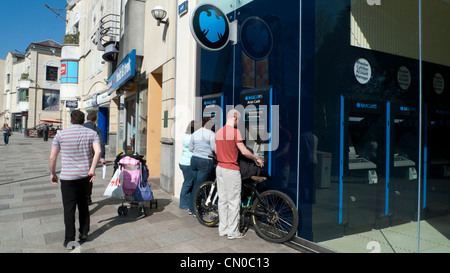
(77, 117)
(92, 116)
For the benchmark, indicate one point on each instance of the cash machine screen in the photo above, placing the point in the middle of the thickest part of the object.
(257, 117)
(212, 107)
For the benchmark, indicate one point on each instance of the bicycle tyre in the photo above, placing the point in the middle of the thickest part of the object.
(206, 215)
(275, 218)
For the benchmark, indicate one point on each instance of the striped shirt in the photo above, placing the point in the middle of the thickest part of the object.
(76, 148)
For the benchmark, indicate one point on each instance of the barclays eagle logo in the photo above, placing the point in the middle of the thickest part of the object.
(256, 38)
(212, 25)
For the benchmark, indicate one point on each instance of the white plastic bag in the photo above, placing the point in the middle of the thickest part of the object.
(114, 188)
(104, 171)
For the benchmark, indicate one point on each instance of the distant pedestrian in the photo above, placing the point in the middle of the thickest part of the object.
(229, 143)
(6, 133)
(90, 123)
(76, 144)
(45, 132)
(202, 146)
(185, 166)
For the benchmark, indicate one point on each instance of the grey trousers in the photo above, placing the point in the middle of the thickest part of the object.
(229, 189)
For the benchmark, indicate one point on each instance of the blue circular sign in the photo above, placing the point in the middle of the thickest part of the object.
(210, 27)
(256, 38)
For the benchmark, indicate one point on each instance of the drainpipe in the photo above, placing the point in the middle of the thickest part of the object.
(36, 87)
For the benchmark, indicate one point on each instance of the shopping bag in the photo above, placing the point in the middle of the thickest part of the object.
(114, 188)
(103, 171)
(143, 192)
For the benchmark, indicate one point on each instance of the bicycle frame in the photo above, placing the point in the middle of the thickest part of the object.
(208, 201)
(257, 208)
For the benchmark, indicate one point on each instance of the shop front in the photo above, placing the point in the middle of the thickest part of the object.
(99, 104)
(362, 116)
(128, 91)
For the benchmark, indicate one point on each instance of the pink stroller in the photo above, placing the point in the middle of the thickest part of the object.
(135, 183)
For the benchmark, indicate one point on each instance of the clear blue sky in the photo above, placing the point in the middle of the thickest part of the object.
(23, 22)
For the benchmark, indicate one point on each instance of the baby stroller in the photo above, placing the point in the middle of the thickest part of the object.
(135, 183)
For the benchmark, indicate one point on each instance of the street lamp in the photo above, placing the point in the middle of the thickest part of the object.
(159, 14)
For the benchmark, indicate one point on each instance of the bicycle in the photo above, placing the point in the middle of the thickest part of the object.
(273, 214)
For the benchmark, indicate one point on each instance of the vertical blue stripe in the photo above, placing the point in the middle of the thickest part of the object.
(270, 132)
(223, 112)
(425, 151)
(341, 160)
(425, 156)
(388, 156)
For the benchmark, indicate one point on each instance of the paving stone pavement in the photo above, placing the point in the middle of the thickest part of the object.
(31, 215)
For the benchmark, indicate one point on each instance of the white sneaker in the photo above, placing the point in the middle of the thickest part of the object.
(239, 236)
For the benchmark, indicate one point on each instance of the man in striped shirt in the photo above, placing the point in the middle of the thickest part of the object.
(76, 144)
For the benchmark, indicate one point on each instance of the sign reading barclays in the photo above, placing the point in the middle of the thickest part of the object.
(210, 27)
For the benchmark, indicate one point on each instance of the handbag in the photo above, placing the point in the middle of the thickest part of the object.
(143, 191)
(114, 188)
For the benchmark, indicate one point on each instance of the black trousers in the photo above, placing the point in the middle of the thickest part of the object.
(74, 194)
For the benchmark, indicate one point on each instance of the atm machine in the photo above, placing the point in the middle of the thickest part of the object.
(213, 107)
(436, 178)
(401, 161)
(258, 124)
(362, 144)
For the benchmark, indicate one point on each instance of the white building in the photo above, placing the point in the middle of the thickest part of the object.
(31, 85)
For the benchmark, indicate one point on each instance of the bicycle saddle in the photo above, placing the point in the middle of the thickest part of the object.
(259, 179)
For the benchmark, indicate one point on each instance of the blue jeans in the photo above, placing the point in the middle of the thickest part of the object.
(186, 189)
(5, 138)
(201, 169)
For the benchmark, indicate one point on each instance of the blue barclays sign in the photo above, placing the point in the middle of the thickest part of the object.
(361, 105)
(210, 27)
(123, 73)
(256, 38)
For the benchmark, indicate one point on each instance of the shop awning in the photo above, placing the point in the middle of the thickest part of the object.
(50, 120)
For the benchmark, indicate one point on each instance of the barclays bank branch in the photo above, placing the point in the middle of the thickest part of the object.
(363, 117)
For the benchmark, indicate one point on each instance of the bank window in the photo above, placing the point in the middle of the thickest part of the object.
(52, 73)
(23, 94)
(50, 100)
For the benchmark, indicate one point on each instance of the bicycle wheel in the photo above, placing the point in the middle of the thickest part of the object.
(207, 214)
(274, 216)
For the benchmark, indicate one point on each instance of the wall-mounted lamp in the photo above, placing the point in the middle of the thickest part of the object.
(159, 14)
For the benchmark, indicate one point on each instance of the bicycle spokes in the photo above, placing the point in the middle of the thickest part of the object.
(275, 217)
(206, 204)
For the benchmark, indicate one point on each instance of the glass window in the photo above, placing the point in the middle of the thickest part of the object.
(50, 100)
(364, 117)
(23, 94)
(142, 126)
(51, 73)
(121, 139)
(435, 191)
(130, 124)
(69, 72)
